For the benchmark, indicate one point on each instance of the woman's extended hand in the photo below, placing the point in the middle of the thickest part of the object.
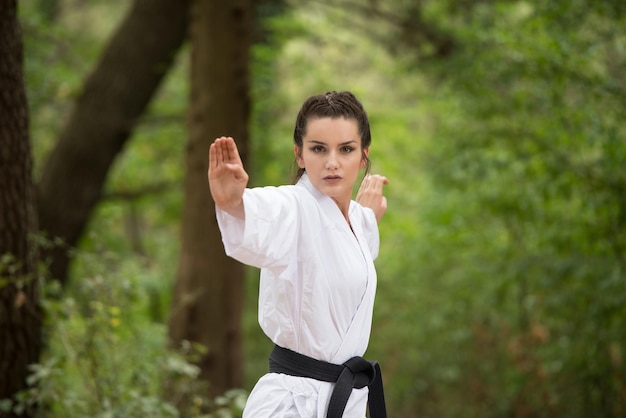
(370, 194)
(227, 177)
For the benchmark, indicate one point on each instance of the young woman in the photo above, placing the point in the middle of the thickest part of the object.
(315, 247)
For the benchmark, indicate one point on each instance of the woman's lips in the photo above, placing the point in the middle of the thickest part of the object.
(332, 179)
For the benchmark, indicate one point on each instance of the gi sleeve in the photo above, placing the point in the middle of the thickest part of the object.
(370, 229)
(267, 237)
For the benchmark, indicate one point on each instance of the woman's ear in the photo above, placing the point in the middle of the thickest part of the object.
(366, 153)
(298, 153)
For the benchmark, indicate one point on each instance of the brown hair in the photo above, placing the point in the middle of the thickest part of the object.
(333, 105)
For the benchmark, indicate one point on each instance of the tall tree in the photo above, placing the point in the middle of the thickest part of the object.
(20, 319)
(113, 98)
(208, 292)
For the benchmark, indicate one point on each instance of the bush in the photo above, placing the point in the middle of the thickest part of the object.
(106, 357)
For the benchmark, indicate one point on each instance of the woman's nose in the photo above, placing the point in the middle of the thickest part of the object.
(332, 162)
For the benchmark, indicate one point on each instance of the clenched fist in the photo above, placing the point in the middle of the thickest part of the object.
(370, 194)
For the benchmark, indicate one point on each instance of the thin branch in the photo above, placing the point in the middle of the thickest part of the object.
(129, 195)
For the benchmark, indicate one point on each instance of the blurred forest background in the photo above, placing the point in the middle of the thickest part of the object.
(500, 124)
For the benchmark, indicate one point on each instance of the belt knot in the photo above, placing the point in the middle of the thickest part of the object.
(359, 372)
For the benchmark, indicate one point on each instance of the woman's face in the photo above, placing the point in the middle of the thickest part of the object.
(332, 157)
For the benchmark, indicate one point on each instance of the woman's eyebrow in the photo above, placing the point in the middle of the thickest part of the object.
(315, 141)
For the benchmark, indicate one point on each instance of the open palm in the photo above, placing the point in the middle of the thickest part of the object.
(227, 177)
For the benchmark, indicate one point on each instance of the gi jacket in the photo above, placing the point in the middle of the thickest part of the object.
(317, 288)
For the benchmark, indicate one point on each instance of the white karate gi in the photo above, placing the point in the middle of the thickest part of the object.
(316, 292)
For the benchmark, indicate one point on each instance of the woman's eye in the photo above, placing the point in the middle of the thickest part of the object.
(347, 149)
(317, 148)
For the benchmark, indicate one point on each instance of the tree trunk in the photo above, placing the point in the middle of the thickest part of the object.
(209, 286)
(113, 98)
(20, 316)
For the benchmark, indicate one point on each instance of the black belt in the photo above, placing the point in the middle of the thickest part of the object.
(355, 373)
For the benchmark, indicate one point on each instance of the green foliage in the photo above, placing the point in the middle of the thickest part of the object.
(58, 55)
(106, 357)
(529, 164)
(269, 103)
